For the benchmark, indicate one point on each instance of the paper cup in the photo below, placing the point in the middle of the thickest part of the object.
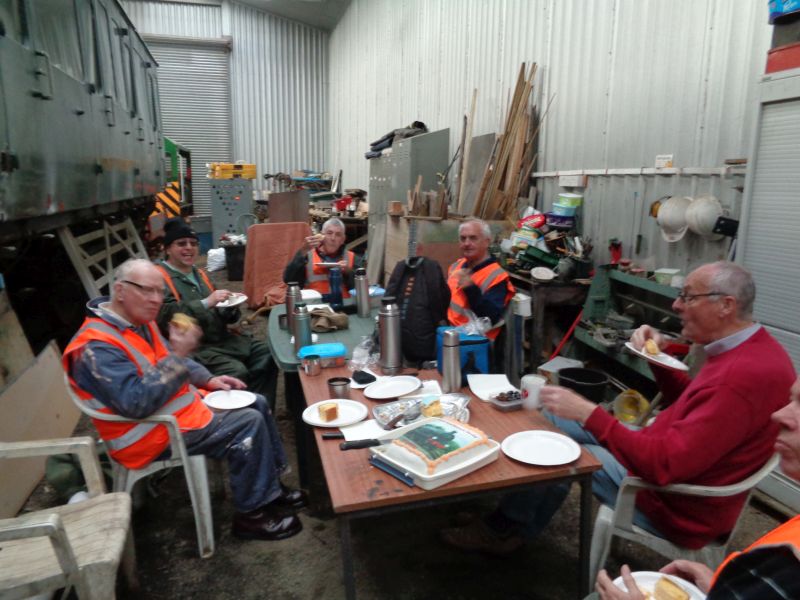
(530, 386)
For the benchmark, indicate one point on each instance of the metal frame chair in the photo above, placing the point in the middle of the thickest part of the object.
(194, 469)
(75, 546)
(618, 522)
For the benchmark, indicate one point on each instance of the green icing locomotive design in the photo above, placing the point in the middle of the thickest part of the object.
(435, 440)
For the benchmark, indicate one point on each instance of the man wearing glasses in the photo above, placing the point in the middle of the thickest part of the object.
(189, 291)
(715, 429)
(119, 363)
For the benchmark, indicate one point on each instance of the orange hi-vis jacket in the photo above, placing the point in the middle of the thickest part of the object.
(135, 445)
(317, 275)
(788, 533)
(168, 280)
(484, 278)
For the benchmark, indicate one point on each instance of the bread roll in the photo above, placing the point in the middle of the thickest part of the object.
(651, 347)
(666, 589)
(329, 411)
(183, 322)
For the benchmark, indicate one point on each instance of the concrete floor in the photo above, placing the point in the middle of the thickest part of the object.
(397, 557)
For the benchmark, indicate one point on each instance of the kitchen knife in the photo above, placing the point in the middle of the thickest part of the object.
(368, 443)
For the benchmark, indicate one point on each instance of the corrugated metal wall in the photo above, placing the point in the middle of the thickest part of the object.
(629, 79)
(278, 79)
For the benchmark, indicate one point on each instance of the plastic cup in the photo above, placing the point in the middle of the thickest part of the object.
(531, 385)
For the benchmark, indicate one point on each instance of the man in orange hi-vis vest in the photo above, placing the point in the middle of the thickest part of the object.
(119, 363)
(477, 282)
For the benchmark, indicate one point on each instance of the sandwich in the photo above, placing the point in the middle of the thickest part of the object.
(183, 321)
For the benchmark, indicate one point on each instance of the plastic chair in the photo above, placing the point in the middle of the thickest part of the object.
(75, 546)
(194, 469)
(618, 522)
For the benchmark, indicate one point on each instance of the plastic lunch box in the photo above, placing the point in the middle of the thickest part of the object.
(331, 355)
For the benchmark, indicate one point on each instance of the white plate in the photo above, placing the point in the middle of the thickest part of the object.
(543, 448)
(310, 295)
(646, 582)
(227, 400)
(350, 412)
(233, 300)
(392, 387)
(483, 386)
(662, 359)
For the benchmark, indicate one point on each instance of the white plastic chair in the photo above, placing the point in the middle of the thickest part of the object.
(618, 522)
(194, 469)
(75, 546)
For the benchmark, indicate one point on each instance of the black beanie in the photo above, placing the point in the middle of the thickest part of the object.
(175, 229)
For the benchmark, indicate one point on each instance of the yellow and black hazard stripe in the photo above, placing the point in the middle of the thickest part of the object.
(168, 202)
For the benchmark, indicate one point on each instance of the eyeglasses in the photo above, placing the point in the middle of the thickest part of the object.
(689, 298)
(146, 290)
(184, 243)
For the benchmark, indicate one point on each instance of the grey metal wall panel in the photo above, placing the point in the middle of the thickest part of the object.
(194, 87)
(629, 79)
(278, 80)
(170, 18)
(279, 87)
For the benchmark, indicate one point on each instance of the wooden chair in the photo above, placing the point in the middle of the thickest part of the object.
(618, 522)
(75, 546)
(194, 469)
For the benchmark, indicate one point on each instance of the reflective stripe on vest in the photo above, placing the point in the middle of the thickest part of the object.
(171, 285)
(484, 278)
(317, 276)
(136, 444)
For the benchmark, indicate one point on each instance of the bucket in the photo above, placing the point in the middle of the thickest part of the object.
(234, 260)
(588, 383)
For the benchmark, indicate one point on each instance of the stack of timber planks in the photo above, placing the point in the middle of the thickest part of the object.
(506, 176)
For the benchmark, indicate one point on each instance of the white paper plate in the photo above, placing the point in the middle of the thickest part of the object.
(543, 448)
(483, 386)
(662, 359)
(233, 300)
(310, 295)
(350, 412)
(392, 387)
(227, 400)
(646, 582)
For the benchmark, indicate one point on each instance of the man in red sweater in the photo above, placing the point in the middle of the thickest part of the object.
(716, 429)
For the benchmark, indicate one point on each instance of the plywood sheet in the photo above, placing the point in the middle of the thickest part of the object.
(35, 406)
(15, 352)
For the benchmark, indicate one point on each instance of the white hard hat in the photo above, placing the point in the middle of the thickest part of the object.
(702, 215)
(672, 217)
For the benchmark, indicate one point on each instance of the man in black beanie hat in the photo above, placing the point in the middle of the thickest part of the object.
(189, 291)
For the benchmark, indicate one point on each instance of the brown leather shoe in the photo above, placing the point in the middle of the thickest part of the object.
(289, 498)
(479, 537)
(265, 524)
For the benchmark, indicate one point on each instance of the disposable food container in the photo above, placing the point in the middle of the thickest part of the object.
(564, 210)
(560, 221)
(330, 355)
(567, 199)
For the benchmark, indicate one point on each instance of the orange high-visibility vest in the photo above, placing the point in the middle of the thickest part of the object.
(788, 533)
(168, 280)
(317, 275)
(484, 278)
(135, 445)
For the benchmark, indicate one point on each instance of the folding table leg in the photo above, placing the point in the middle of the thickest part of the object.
(585, 535)
(347, 558)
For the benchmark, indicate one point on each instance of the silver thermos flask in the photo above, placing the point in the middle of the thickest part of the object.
(362, 292)
(293, 296)
(451, 362)
(391, 361)
(302, 326)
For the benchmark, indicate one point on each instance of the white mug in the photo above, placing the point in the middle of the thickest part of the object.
(531, 385)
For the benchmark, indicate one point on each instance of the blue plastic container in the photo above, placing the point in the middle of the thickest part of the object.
(331, 355)
(562, 210)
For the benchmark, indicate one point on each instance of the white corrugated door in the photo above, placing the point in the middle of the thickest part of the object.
(773, 224)
(194, 87)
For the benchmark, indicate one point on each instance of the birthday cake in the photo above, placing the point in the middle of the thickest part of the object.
(436, 444)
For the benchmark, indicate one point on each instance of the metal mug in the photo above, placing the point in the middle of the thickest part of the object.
(283, 321)
(312, 365)
(339, 387)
